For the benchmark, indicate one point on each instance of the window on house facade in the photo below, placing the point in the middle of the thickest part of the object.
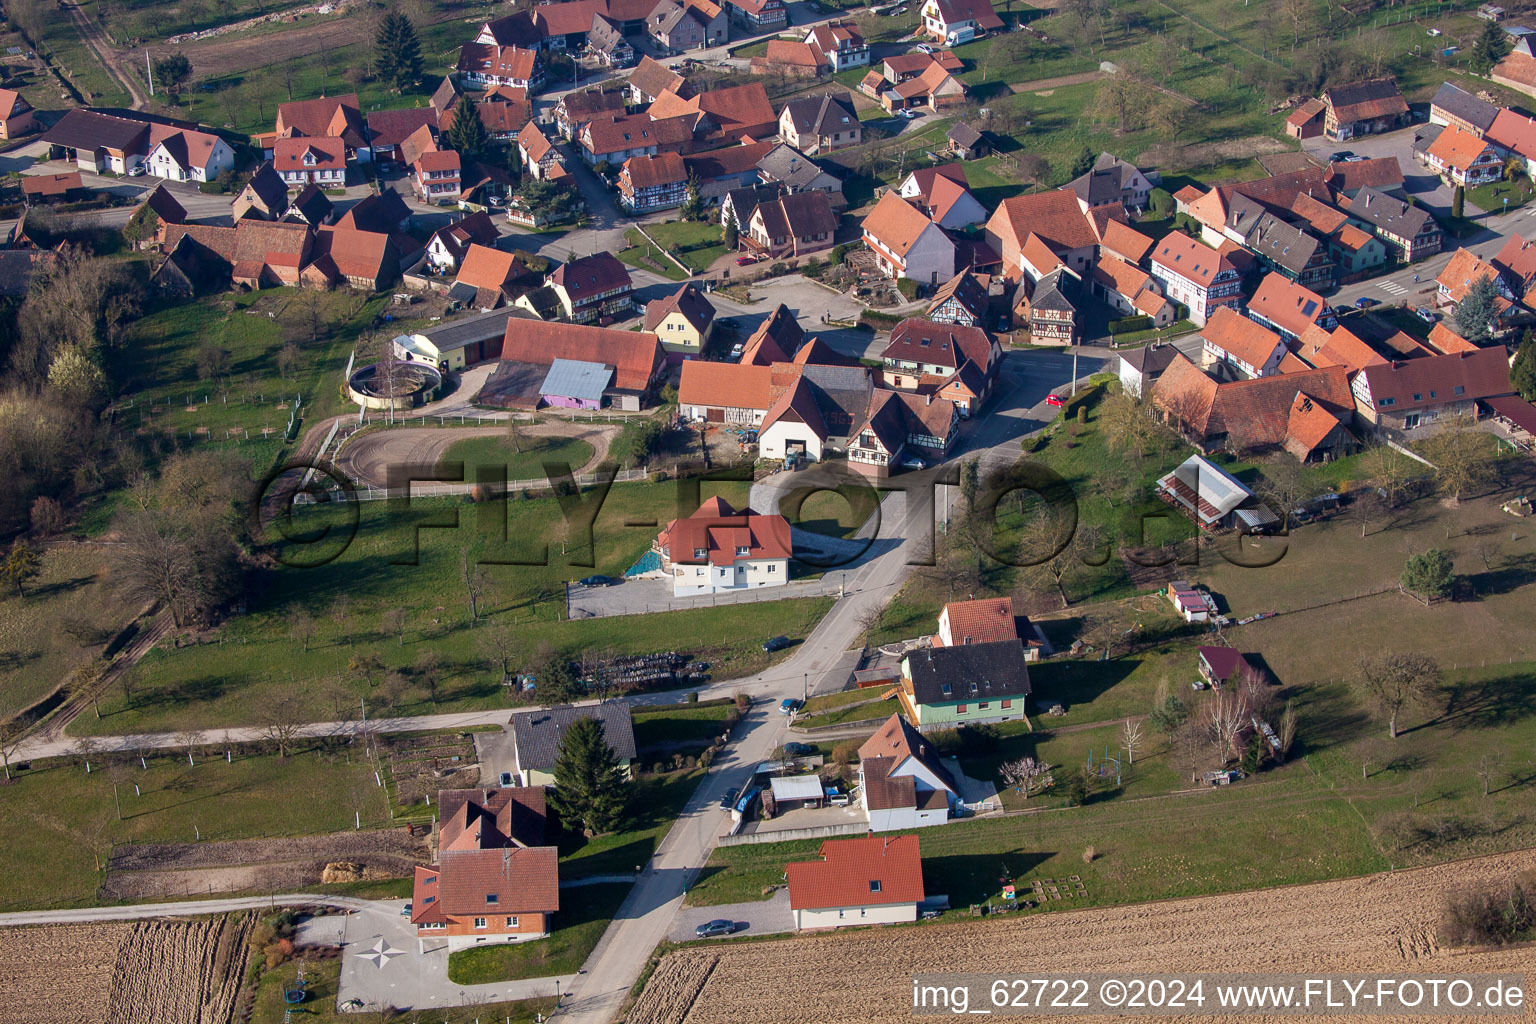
(1007, 704)
(479, 922)
(511, 922)
(960, 709)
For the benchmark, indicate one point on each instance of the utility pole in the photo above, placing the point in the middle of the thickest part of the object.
(1074, 369)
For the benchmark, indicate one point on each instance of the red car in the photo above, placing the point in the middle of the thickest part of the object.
(1055, 401)
(745, 261)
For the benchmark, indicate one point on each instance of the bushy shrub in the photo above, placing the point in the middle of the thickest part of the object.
(1493, 916)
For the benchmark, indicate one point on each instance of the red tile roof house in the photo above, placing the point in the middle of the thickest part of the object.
(17, 117)
(612, 140)
(903, 783)
(1246, 346)
(593, 288)
(437, 176)
(944, 194)
(871, 880)
(985, 621)
(718, 550)
(1289, 309)
(648, 183)
(1464, 268)
(302, 160)
(906, 243)
(841, 44)
(1308, 413)
(926, 356)
(902, 431)
(1364, 108)
(1036, 233)
(494, 880)
(1203, 279)
(326, 116)
(487, 65)
(1462, 158)
(388, 128)
(51, 188)
(495, 277)
(183, 155)
(539, 156)
(363, 259)
(722, 116)
(451, 242)
(1402, 397)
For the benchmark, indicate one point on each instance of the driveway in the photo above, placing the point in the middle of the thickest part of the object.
(760, 917)
(1423, 185)
(384, 964)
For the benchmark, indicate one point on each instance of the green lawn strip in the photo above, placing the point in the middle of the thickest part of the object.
(322, 977)
(851, 713)
(686, 724)
(71, 817)
(527, 464)
(830, 513)
(583, 916)
(657, 801)
(828, 701)
(648, 257)
(1490, 198)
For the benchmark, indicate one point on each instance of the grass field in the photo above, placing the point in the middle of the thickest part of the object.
(75, 584)
(54, 34)
(72, 821)
(165, 390)
(258, 657)
(691, 725)
(320, 1008)
(850, 713)
(527, 464)
(657, 801)
(583, 916)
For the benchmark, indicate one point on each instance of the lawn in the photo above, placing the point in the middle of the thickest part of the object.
(829, 701)
(697, 244)
(167, 388)
(71, 817)
(838, 513)
(657, 801)
(851, 713)
(583, 916)
(75, 586)
(1501, 195)
(320, 1006)
(690, 726)
(527, 464)
(647, 257)
(309, 631)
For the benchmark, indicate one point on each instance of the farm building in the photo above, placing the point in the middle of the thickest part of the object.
(1203, 491)
(1222, 665)
(1189, 601)
(870, 880)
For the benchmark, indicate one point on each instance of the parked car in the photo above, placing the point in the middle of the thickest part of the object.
(506, 780)
(912, 463)
(1343, 154)
(719, 926)
(746, 259)
(909, 114)
(1365, 302)
(600, 581)
(136, 170)
(777, 643)
(1426, 314)
(799, 749)
(737, 350)
(1055, 401)
(729, 800)
(924, 48)
(789, 706)
(405, 911)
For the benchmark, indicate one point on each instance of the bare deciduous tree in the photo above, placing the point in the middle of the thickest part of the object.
(1130, 738)
(1396, 679)
(282, 723)
(301, 627)
(1022, 774)
(394, 621)
(498, 639)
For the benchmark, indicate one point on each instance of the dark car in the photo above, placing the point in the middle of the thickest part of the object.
(778, 643)
(600, 581)
(719, 926)
(729, 800)
(799, 749)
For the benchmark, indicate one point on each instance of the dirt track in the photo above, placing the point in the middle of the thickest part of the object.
(1381, 923)
(368, 458)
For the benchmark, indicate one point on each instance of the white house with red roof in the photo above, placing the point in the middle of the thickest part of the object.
(953, 22)
(985, 621)
(718, 549)
(494, 881)
(944, 194)
(903, 783)
(869, 880)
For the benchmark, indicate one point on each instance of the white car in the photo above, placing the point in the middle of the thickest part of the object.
(910, 115)
(135, 170)
(924, 48)
(912, 464)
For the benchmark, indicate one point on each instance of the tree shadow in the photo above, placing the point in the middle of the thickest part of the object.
(1489, 703)
(1328, 715)
(974, 878)
(1511, 576)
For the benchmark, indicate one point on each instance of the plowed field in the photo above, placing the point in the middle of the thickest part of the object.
(1379, 923)
(144, 972)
